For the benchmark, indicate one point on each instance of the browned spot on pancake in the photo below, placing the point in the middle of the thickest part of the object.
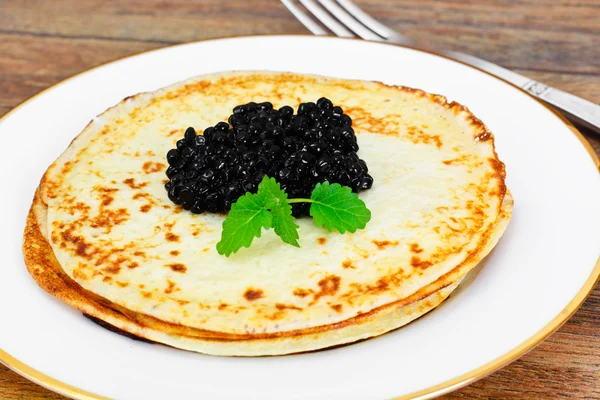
(223, 306)
(106, 279)
(147, 294)
(364, 253)
(107, 200)
(381, 285)
(321, 240)
(414, 247)
(174, 252)
(392, 279)
(499, 168)
(134, 113)
(177, 267)
(417, 135)
(122, 284)
(81, 249)
(103, 189)
(171, 287)
(133, 265)
(150, 167)
(277, 315)
(328, 287)
(173, 132)
(382, 244)
(113, 269)
(467, 160)
(79, 207)
(169, 225)
(108, 218)
(141, 286)
(252, 294)
(280, 306)
(196, 232)
(171, 237)
(483, 136)
(337, 307)
(205, 250)
(417, 263)
(302, 292)
(131, 183)
(77, 274)
(139, 253)
(150, 153)
(364, 120)
(281, 311)
(67, 167)
(149, 199)
(145, 208)
(348, 264)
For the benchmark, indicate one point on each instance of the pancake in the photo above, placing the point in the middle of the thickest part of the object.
(118, 244)
(44, 268)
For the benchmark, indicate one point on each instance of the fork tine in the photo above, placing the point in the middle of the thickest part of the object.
(373, 24)
(304, 19)
(326, 19)
(345, 18)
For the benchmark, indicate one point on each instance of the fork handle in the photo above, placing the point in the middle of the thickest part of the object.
(574, 108)
(577, 110)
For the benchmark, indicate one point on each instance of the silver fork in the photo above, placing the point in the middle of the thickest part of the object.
(345, 19)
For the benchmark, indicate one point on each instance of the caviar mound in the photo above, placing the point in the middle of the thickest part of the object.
(209, 172)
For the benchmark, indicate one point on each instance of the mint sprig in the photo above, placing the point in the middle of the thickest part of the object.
(276, 201)
(333, 207)
(245, 221)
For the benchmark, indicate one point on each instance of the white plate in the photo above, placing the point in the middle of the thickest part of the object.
(536, 277)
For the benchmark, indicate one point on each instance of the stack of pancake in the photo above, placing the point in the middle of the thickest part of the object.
(103, 236)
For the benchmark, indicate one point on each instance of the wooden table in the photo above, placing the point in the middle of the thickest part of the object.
(554, 41)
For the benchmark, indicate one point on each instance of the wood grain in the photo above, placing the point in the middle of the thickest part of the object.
(554, 41)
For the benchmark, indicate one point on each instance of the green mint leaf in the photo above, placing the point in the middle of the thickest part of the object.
(270, 193)
(335, 207)
(276, 200)
(247, 217)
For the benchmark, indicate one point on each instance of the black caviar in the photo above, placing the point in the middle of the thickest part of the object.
(209, 172)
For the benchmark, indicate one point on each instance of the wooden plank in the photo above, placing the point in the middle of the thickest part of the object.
(29, 64)
(542, 35)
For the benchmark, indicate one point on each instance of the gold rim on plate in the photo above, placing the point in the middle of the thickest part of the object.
(433, 391)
